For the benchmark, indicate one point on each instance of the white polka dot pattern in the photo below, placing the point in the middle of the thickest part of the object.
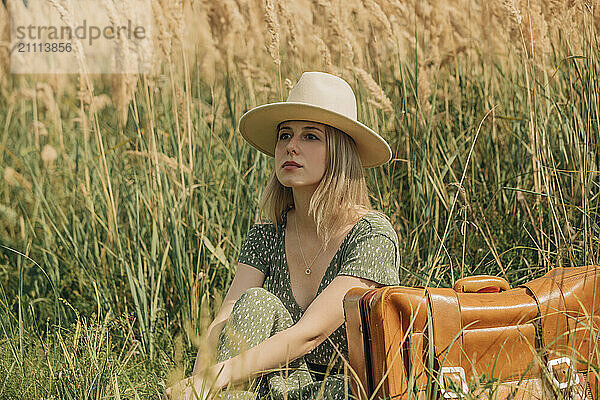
(369, 251)
(256, 316)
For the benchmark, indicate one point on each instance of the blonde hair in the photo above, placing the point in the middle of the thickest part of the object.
(340, 196)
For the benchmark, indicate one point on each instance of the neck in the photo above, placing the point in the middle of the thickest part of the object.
(302, 197)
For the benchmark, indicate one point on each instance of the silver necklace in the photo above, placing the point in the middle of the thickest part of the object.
(307, 271)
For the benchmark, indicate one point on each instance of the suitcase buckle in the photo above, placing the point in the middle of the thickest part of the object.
(562, 367)
(463, 382)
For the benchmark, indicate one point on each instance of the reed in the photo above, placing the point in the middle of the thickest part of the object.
(120, 198)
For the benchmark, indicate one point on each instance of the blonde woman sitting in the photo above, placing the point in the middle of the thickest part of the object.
(324, 239)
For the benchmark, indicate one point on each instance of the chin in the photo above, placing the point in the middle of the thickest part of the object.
(290, 184)
(295, 183)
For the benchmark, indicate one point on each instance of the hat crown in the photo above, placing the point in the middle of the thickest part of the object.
(325, 90)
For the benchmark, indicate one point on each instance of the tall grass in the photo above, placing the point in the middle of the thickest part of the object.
(120, 243)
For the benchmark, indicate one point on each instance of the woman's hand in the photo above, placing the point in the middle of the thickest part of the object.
(189, 389)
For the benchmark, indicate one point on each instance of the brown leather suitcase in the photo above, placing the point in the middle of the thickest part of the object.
(479, 339)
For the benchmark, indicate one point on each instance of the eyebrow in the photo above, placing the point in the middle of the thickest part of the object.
(305, 128)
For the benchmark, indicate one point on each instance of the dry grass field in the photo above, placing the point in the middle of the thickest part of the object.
(124, 198)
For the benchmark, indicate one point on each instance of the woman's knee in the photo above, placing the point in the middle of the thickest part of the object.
(259, 295)
(256, 315)
(257, 301)
(257, 291)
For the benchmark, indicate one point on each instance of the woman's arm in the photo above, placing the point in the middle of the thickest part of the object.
(246, 277)
(324, 315)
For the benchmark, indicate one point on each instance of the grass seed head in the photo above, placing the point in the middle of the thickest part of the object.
(377, 94)
(273, 28)
(49, 154)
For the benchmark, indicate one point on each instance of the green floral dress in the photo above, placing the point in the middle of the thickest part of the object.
(369, 250)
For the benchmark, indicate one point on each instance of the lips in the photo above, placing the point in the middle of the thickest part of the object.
(292, 163)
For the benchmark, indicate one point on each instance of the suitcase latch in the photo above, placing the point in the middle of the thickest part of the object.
(456, 375)
(562, 372)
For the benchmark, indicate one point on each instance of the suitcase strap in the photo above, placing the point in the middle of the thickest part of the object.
(553, 317)
(448, 339)
(555, 330)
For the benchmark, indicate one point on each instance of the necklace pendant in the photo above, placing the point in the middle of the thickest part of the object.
(307, 271)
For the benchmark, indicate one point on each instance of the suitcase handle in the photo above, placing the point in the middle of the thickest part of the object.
(481, 284)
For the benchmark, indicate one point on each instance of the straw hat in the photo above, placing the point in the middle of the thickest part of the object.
(317, 97)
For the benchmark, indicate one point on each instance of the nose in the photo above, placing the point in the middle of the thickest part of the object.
(291, 146)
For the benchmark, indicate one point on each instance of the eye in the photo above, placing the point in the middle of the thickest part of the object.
(313, 135)
(282, 134)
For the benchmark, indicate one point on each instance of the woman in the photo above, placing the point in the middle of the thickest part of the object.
(334, 241)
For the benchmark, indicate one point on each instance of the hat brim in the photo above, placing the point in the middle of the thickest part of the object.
(258, 127)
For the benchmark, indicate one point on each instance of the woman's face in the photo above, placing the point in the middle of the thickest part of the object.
(302, 142)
